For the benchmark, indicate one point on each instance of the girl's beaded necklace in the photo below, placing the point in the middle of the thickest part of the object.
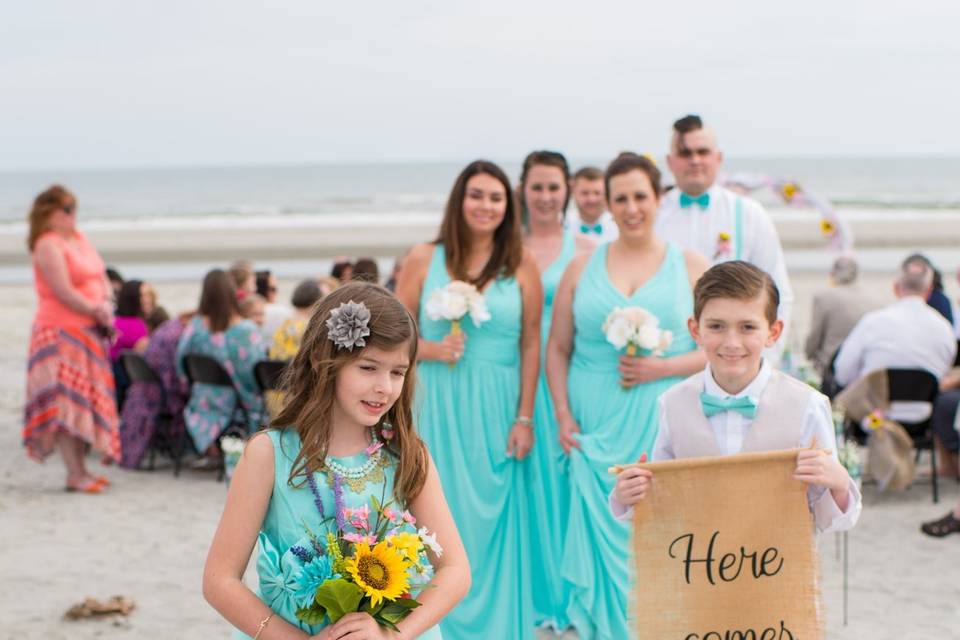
(358, 477)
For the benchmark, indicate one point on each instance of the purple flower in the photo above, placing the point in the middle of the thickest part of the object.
(304, 555)
(338, 501)
(317, 500)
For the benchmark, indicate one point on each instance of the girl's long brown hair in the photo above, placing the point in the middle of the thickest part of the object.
(218, 300)
(455, 235)
(43, 207)
(309, 387)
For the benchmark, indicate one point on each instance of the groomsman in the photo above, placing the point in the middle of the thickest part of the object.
(590, 217)
(700, 214)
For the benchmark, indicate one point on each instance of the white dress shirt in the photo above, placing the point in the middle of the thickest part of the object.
(609, 230)
(699, 230)
(905, 335)
(730, 427)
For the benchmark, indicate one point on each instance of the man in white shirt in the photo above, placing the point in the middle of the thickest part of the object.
(905, 335)
(701, 215)
(590, 217)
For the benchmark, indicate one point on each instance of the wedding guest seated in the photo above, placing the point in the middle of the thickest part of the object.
(154, 314)
(254, 308)
(366, 270)
(342, 270)
(937, 299)
(945, 424)
(146, 401)
(219, 331)
(274, 312)
(286, 340)
(130, 331)
(835, 312)
(243, 277)
(905, 335)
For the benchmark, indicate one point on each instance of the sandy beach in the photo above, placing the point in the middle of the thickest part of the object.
(147, 537)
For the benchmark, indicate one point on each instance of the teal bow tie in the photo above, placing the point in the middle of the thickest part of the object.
(712, 405)
(687, 201)
(596, 228)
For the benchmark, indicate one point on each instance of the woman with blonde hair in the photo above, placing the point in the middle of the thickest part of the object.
(70, 388)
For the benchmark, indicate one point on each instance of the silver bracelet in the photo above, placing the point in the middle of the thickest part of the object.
(524, 420)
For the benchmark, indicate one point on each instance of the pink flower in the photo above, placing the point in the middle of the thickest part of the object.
(373, 448)
(408, 517)
(357, 538)
(391, 515)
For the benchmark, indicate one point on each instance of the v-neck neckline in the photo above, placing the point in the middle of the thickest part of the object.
(643, 285)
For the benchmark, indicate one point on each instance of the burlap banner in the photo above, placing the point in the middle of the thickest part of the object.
(724, 550)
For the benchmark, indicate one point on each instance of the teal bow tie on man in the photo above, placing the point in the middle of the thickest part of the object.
(687, 201)
(592, 228)
(712, 405)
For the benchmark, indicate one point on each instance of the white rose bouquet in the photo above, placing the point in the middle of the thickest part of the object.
(455, 301)
(635, 328)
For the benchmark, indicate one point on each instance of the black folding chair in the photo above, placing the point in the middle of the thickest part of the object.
(139, 370)
(956, 358)
(202, 369)
(917, 385)
(268, 374)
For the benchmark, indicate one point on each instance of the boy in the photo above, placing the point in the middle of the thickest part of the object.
(740, 403)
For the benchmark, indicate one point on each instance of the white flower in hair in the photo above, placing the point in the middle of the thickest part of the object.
(348, 325)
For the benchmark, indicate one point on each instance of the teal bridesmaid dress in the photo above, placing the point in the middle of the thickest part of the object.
(283, 533)
(617, 425)
(465, 415)
(549, 493)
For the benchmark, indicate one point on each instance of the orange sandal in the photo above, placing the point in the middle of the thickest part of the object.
(103, 481)
(91, 486)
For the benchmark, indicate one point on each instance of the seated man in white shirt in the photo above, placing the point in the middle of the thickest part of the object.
(590, 218)
(722, 225)
(905, 335)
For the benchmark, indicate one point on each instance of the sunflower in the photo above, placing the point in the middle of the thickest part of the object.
(380, 572)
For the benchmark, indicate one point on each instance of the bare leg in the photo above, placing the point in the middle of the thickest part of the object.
(71, 450)
(948, 460)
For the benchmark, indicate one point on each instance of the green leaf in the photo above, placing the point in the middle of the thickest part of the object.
(367, 606)
(339, 597)
(376, 504)
(383, 622)
(312, 615)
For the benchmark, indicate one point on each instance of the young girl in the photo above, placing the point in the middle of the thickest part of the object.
(345, 435)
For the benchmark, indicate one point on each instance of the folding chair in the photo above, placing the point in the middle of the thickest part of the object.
(202, 369)
(268, 373)
(139, 370)
(917, 385)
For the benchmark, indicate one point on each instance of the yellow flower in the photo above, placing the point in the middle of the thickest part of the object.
(724, 236)
(827, 227)
(378, 571)
(875, 420)
(789, 190)
(407, 545)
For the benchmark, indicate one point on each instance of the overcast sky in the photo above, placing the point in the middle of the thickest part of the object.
(198, 82)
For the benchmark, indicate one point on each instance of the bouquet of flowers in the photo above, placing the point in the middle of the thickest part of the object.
(369, 560)
(455, 301)
(636, 328)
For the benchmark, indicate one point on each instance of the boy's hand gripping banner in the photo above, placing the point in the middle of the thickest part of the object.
(724, 550)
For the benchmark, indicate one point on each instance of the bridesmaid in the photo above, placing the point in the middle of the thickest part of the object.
(606, 402)
(477, 391)
(544, 195)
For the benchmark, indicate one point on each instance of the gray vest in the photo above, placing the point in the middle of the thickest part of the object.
(778, 424)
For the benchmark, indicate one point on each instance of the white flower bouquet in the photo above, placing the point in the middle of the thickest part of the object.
(455, 301)
(637, 330)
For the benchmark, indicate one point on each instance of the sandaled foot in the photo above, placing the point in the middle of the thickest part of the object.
(87, 486)
(943, 527)
(103, 481)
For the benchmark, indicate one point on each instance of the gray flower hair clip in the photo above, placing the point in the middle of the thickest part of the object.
(348, 325)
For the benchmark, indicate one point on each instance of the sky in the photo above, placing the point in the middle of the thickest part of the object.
(204, 82)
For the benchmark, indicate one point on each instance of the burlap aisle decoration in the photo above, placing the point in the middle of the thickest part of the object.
(747, 514)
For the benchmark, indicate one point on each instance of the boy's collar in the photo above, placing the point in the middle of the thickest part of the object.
(753, 390)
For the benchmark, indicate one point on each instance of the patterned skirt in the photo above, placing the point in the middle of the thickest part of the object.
(70, 390)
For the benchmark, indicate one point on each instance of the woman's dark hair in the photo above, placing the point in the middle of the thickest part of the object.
(366, 270)
(263, 283)
(455, 234)
(128, 300)
(629, 161)
(114, 276)
(339, 268)
(547, 159)
(218, 300)
(306, 294)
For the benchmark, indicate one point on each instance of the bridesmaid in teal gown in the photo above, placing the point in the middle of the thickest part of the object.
(605, 401)
(476, 395)
(344, 436)
(544, 195)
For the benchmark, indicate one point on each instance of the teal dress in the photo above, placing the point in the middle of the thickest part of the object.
(465, 415)
(549, 496)
(617, 425)
(283, 534)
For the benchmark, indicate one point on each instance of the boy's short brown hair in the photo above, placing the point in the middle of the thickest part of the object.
(588, 173)
(738, 280)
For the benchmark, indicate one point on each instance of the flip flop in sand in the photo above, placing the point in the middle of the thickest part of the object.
(90, 486)
(943, 527)
(103, 481)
